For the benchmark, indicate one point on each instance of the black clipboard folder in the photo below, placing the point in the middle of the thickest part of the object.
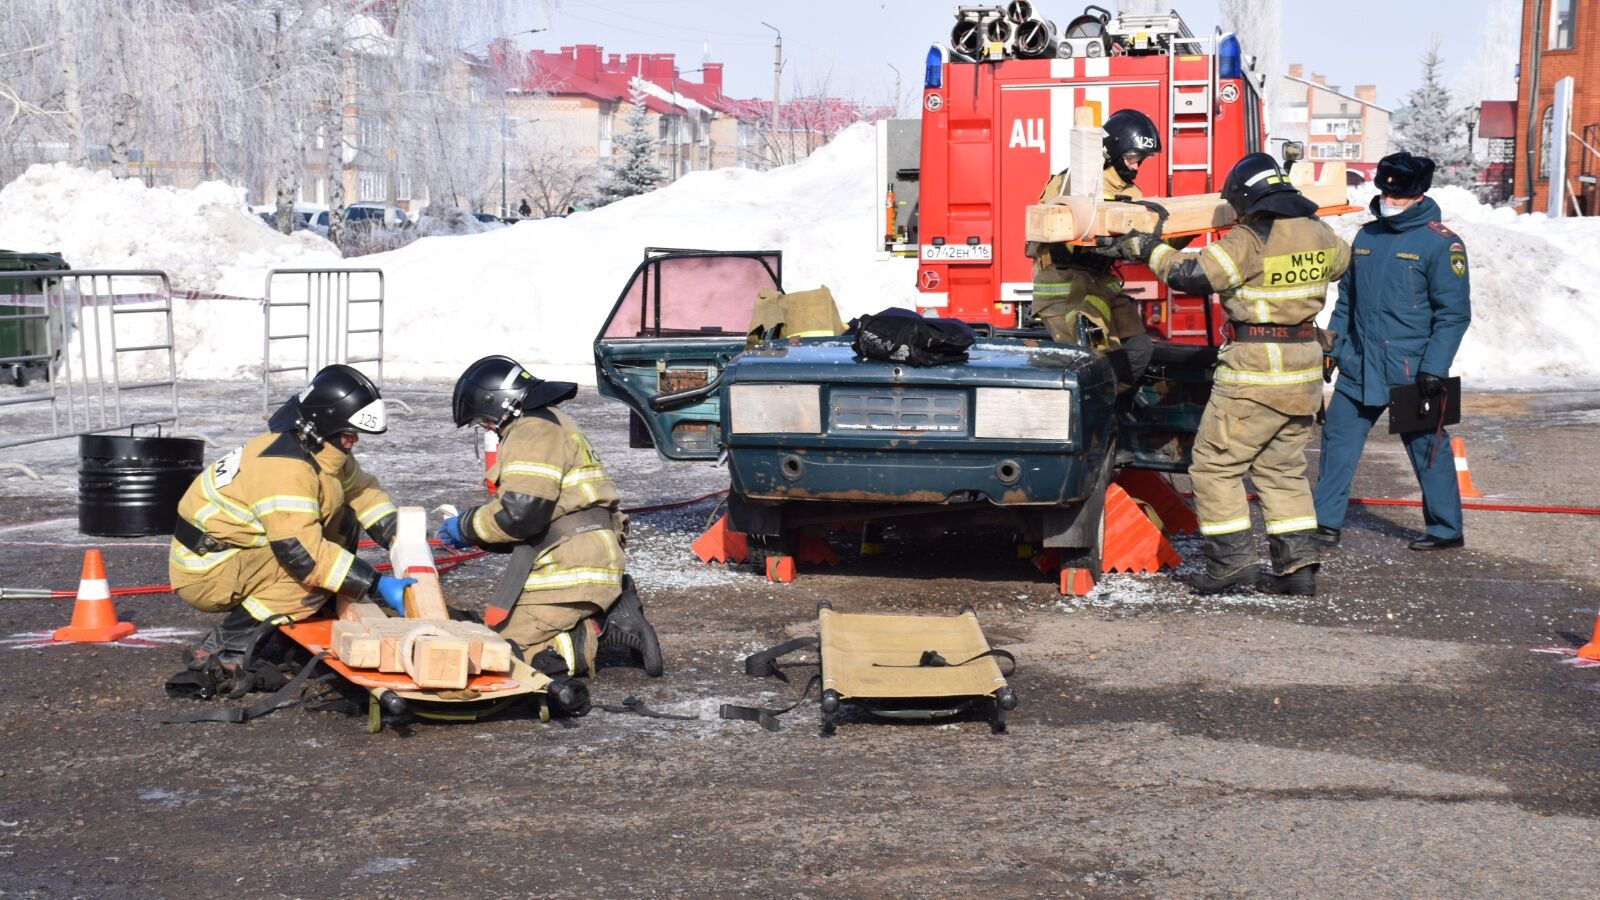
(1408, 412)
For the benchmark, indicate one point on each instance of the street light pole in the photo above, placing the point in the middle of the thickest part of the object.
(505, 209)
(896, 88)
(777, 83)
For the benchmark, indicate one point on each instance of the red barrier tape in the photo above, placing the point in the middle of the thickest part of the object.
(1468, 504)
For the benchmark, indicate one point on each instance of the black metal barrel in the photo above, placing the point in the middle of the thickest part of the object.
(130, 486)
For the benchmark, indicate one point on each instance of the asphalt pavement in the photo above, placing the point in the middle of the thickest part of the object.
(1418, 727)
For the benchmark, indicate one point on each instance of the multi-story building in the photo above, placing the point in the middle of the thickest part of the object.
(1331, 123)
(1560, 39)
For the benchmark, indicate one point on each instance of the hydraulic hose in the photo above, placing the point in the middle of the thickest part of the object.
(441, 563)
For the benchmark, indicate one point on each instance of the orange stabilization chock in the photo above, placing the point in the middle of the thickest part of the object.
(1458, 449)
(780, 569)
(94, 619)
(1177, 517)
(1132, 542)
(719, 543)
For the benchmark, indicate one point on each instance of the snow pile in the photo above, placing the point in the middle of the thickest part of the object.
(540, 289)
(96, 221)
(1535, 292)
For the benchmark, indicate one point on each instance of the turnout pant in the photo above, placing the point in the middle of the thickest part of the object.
(1344, 434)
(568, 586)
(255, 580)
(1239, 436)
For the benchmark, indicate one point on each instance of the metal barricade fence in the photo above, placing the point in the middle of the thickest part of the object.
(334, 319)
(86, 370)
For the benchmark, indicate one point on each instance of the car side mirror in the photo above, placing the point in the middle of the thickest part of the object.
(1293, 151)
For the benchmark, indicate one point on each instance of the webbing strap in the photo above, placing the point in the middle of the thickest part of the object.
(766, 718)
(632, 704)
(237, 714)
(765, 663)
(932, 659)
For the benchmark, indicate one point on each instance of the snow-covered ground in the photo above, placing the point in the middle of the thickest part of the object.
(539, 290)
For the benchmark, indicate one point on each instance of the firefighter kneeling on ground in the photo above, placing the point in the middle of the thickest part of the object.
(556, 510)
(268, 533)
(1271, 272)
(1073, 286)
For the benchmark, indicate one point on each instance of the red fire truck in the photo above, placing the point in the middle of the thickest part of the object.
(994, 130)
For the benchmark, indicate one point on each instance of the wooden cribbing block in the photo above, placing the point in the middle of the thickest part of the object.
(487, 651)
(355, 644)
(356, 610)
(439, 662)
(1054, 222)
(411, 557)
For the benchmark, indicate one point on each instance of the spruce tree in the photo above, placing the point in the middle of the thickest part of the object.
(1430, 125)
(632, 169)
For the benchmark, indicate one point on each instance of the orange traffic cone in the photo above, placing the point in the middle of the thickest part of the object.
(1591, 650)
(1458, 449)
(94, 619)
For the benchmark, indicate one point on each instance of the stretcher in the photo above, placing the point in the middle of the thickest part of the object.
(894, 667)
(395, 694)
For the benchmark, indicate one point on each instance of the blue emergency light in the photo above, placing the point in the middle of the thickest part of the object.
(1228, 63)
(934, 76)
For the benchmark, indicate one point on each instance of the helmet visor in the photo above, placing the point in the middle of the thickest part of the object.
(372, 418)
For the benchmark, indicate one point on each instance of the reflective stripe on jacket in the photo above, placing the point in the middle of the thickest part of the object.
(1266, 270)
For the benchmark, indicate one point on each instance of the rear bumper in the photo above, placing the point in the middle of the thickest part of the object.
(898, 476)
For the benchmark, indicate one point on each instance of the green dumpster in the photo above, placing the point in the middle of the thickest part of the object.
(23, 325)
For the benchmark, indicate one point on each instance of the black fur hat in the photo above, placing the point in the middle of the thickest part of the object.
(1403, 175)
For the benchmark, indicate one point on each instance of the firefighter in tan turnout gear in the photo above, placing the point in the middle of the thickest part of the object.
(268, 533)
(556, 509)
(1073, 283)
(1271, 272)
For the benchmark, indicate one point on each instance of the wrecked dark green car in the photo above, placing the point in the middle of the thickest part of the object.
(1023, 434)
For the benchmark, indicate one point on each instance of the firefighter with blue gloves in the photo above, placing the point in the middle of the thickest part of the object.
(1403, 309)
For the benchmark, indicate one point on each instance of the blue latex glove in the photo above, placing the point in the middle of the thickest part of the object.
(392, 591)
(449, 534)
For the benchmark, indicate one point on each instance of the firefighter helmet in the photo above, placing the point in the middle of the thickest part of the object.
(1130, 131)
(1251, 180)
(337, 399)
(497, 389)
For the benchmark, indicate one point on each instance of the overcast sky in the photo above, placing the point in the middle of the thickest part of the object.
(852, 43)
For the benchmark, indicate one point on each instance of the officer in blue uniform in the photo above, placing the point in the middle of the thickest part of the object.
(1403, 309)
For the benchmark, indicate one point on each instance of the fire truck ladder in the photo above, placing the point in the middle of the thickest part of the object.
(1176, 87)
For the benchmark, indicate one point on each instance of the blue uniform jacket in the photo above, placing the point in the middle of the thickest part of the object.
(1403, 304)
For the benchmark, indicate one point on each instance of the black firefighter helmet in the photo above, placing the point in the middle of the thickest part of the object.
(499, 389)
(1129, 131)
(1257, 183)
(338, 398)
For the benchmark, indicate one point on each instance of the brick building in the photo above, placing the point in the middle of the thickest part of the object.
(1560, 38)
(1332, 123)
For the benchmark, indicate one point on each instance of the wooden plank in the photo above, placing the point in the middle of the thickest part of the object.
(358, 610)
(1086, 156)
(413, 558)
(439, 662)
(355, 644)
(487, 651)
(1054, 222)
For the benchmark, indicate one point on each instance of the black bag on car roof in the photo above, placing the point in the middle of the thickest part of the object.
(902, 336)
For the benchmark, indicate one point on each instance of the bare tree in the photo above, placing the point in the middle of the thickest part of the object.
(554, 180)
(806, 122)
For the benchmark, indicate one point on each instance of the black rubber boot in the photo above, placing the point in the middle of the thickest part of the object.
(1293, 551)
(626, 626)
(1224, 582)
(1231, 564)
(228, 641)
(1299, 583)
(554, 661)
